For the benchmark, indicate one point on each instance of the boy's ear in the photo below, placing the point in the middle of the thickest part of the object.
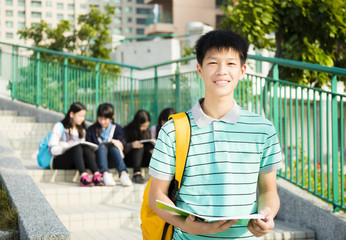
(243, 71)
(199, 70)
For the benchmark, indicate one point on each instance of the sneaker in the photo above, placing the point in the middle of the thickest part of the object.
(108, 179)
(138, 179)
(85, 181)
(125, 180)
(97, 179)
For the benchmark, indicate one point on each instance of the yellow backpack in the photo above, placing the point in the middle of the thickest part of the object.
(153, 227)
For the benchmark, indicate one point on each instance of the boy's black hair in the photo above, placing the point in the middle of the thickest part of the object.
(221, 39)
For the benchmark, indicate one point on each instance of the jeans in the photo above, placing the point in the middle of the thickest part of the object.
(112, 153)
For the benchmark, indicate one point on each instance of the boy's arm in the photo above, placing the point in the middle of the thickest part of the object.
(268, 204)
(159, 191)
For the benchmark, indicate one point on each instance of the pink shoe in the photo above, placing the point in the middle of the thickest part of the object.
(97, 179)
(85, 181)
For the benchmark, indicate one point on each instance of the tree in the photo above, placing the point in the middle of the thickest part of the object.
(311, 31)
(91, 40)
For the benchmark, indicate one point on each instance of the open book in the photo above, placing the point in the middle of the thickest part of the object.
(93, 146)
(152, 141)
(185, 213)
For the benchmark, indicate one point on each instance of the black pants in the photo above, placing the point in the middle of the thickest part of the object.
(79, 157)
(138, 157)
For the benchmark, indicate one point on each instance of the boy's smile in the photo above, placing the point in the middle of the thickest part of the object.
(221, 70)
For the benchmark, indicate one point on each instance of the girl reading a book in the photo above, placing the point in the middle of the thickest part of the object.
(138, 154)
(108, 135)
(68, 150)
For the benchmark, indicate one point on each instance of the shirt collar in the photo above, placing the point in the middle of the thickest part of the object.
(203, 120)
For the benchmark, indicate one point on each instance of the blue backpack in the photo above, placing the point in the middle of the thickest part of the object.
(44, 157)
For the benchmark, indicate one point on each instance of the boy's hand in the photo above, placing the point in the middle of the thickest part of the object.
(195, 227)
(260, 227)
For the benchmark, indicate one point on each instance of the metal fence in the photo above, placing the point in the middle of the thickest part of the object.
(310, 121)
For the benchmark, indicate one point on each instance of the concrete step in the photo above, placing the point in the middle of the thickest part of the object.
(289, 231)
(25, 134)
(16, 119)
(110, 234)
(14, 127)
(25, 144)
(8, 113)
(71, 194)
(101, 216)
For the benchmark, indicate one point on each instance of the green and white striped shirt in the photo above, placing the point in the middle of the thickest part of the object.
(225, 158)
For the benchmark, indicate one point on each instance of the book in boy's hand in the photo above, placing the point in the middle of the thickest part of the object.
(185, 213)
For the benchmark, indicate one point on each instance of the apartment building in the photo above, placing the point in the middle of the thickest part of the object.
(173, 15)
(129, 20)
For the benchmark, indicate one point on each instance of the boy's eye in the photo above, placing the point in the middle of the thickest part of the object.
(212, 62)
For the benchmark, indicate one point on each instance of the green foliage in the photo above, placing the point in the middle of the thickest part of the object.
(311, 31)
(8, 216)
(91, 40)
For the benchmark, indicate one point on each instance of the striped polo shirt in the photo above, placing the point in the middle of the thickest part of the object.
(225, 158)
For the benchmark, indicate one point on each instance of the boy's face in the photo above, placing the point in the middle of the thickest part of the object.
(221, 70)
(104, 122)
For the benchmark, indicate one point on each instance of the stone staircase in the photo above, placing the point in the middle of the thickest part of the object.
(96, 212)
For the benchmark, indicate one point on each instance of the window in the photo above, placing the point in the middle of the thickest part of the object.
(70, 17)
(117, 31)
(36, 4)
(9, 3)
(49, 3)
(60, 16)
(128, 9)
(117, 20)
(117, 10)
(146, 11)
(9, 13)
(9, 24)
(83, 6)
(141, 21)
(140, 1)
(70, 6)
(21, 14)
(117, 1)
(9, 35)
(49, 14)
(21, 25)
(129, 19)
(36, 15)
(128, 30)
(21, 3)
(60, 6)
(140, 31)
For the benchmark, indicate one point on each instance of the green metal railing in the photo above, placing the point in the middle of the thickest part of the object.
(310, 122)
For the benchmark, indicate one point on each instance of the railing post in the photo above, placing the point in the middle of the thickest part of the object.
(97, 76)
(275, 97)
(177, 89)
(156, 94)
(65, 85)
(38, 79)
(335, 144)
(132, 103)
(13, 92)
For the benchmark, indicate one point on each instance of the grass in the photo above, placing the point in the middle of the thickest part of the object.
(8, 216)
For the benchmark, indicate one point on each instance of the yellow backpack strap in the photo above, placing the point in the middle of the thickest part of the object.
(182, 143)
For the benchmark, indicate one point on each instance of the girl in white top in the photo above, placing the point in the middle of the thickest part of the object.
(66, 148)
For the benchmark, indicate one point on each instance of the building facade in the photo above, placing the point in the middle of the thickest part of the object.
(129, 20)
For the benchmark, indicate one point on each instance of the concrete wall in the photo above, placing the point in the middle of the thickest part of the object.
(302, 208)
(36, 219)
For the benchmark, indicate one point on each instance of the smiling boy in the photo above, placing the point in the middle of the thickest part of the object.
(233, 156)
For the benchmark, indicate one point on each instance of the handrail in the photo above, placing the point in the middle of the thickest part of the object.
(279, 61)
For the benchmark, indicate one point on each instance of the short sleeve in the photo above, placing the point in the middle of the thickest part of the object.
(162, 163)
(271, 156)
